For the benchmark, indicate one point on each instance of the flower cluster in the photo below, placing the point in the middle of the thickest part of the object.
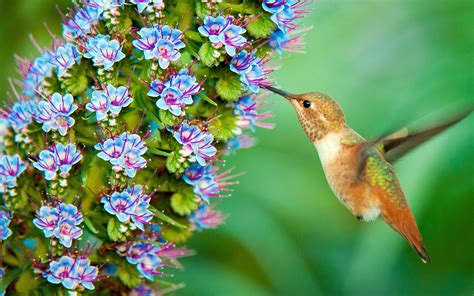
(10, 169)
(124, 152)
(104, 51)
(206, 218)
(222, 32)
(175, 93)
(5, 219)
(197, 144)
(130, 205)
(72, 273)
(150, 258)
(57, 158)
(251, 70)
(147, 92)
(61, 222)
(111, 99)
(160, 43)
(55, 113)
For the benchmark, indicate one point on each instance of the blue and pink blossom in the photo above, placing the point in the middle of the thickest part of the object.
(20, 115)
(61, 222)
(206, 180)
(206, 218)
(64, 57)
(103, 51)
(160, 43)
(197, 144)
(175, 93)
(251, 70)
(11, 168)
(246, 109)
(55, 113)
(112, 99)
(124, 152)
(222, 32)
(130, 205)
(5, 219)
(72, 273)
(56, 158)
(81, 23)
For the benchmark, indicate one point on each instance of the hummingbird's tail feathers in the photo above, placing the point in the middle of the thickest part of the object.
(402, 221)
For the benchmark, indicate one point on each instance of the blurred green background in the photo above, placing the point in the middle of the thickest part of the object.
(388, 62)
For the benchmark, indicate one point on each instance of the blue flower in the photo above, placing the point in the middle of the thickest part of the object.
(144, 255)
(62, 272)
(124, 153)
(46, 220)
(55, 113)
(274, 6)
(111, 100)
(72, 272)
(205, 218)
(120, 204)
(99, 104)
(66, 231)
(104, 5)
(36, 73)
(129, 205)
(85, 274)
(47, 163)
(197, 144)
(5, 219)
(20, 115)
(175, 93)
(251, 71)
(160, 42)
(206, 181)
(221, 31)
(64, 58)
(119, 98)
(10, 169)
(66, 156)
(61, 222)
(103, 51)
(81, 23)
(143, 4)
(239, 142)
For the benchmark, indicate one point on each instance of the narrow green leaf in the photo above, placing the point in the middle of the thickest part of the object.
(159, 215)
(207, 99)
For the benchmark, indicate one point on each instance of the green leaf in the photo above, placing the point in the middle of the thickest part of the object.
(129, 275)
(261, 26)
(223, 127)
(113, 230)
(207, 99)
(26, 282)
(229, 88)
(159, 152)
(209, 55)
(202, 10)
(75, 80)
(174, 164)
(184, 202)
(161, 216)
(10, 276)
(89, 225)
(176, 235)
(168, 119)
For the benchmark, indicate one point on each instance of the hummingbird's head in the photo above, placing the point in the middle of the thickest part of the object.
(318, 113)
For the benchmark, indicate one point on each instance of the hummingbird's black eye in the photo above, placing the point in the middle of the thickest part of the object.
(306, 104)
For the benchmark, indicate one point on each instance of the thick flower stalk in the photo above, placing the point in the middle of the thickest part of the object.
(112, 142)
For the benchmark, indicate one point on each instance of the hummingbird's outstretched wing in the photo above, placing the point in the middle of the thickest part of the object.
(396, 145)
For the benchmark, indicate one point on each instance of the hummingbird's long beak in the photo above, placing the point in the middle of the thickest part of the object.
(279, 92)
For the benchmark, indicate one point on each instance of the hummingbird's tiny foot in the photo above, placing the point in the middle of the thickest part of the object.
(360, 218)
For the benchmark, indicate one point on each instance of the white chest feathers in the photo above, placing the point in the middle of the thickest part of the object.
(329, 147)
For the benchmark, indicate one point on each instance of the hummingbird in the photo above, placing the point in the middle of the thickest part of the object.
(360, 171)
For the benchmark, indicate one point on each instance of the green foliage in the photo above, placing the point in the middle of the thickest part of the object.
(175, 163)
(114, 230)
(209, 55)
(184, 202)
(129, 275)
(229, 87)
(75, 80)
(261, 26)
(223, 127)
